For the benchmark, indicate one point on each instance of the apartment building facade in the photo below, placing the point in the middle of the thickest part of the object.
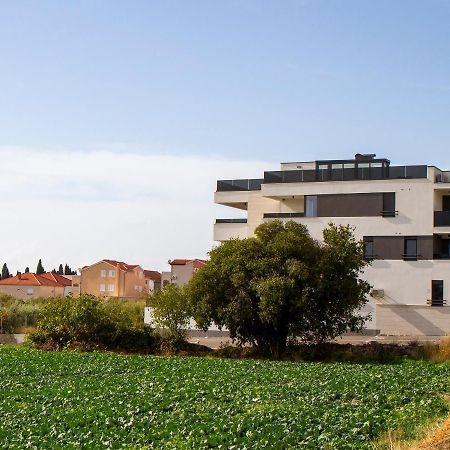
(401, 212)
(181, 271)
(110, 278)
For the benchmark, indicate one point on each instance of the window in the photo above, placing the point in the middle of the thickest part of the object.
(388, 204)
(136, 287)
(103, 273)
(410, 249)
(140, 289)
(368, 249)
(112, 273)
(437, 293)
(311, 205)
(102, 288)
(30, 291)
(110, 288)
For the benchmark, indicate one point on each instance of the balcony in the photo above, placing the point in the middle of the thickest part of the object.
(442, 218)
(346, 174)
(283, 215)
(239, 185)
(225, 229)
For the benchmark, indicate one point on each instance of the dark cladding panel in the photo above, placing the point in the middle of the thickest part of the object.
(350, 205)
(388, 247)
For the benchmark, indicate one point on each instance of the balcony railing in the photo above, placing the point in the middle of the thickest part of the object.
(240, 220)
(283, 215)
(239, 185)
(442, 218)
(346, 174)
(436, 302)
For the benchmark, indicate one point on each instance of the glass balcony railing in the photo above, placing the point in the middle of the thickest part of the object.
(346, 174)
(240, 220)
(283, 215)
(442, 218)
(239, 185)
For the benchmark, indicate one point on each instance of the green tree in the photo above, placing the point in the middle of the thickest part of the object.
(40, 268)
(171, 311)
(27, 270)
(5, 272)
(282, 283)
(60, 270)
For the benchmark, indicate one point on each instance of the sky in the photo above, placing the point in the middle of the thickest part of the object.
(117, 118)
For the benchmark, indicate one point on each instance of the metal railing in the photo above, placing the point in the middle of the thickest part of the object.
(283, 215)
(240, 220)
(248, 184)
(346, 174)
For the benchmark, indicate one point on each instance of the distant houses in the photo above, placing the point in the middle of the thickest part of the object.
(31, 285)
(106, 278)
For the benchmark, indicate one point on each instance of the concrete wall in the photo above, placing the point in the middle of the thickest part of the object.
(225, 231)
(404, 320)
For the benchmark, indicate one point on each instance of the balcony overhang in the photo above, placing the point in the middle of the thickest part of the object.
(230, 230)
(234, 199)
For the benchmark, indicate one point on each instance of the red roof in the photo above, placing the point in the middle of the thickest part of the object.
(152, 275)
(32, 279)
(197, 263)
(119, 264)
(57, 278)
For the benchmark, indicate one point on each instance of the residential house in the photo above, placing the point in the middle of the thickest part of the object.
(110, 278)
(181, 271)
(401, 212)
(152, 280)
(31, 285)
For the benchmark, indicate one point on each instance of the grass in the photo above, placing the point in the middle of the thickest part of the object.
(104, 400)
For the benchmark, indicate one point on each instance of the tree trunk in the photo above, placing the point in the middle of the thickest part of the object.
(278, 345)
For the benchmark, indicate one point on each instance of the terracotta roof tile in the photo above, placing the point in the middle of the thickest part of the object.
(152, 275)
(31, 279)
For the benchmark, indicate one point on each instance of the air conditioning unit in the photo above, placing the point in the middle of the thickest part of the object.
(174, 277)
(377, 293)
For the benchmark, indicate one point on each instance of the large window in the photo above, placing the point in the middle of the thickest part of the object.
(110, 288)
(103, 273)
(410, 249)
(311, 205)
(102, 288)
(112, 273)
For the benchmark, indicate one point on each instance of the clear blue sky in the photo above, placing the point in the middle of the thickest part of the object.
(268, 80)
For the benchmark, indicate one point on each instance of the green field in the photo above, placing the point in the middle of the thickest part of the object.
(94, 400)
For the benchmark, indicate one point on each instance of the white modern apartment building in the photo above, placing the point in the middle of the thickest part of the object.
(401, 212)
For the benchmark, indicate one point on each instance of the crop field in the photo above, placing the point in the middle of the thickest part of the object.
(99, 400)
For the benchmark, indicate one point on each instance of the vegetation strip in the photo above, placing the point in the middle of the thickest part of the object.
(92, 400)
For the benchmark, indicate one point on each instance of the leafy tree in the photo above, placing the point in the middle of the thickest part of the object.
(5, 272)
(40, 268)
(27, 270)
(282, 283)
(60, 270)
(171, 311)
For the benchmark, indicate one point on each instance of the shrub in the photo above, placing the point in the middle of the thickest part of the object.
(89, 322)
(171, 312)
(19, 315)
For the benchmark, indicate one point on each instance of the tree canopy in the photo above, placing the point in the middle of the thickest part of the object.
(283, 283)
(40, 268)
(5, 272)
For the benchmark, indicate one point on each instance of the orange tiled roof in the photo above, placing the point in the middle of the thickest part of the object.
(197, 263)
(121, 265)
(57, 278)
(31, 279)
(152, 275)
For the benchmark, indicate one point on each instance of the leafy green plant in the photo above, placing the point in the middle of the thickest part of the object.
(56, 400)
(89, 322)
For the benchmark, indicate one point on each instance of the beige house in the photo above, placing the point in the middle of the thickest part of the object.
(110, 278)
(30, 285)
(181, 271)
(152, 280)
